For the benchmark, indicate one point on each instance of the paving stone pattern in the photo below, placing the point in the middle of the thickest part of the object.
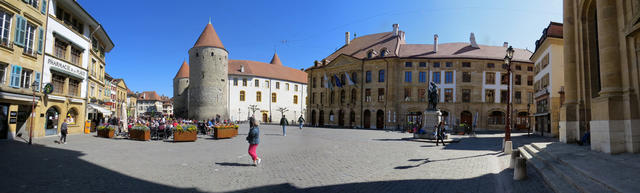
(309, 160)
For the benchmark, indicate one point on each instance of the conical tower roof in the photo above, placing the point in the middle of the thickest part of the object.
(209, 38)
(184, 71)
(276, 60)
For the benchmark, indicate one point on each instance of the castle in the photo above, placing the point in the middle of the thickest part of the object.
(208, 86)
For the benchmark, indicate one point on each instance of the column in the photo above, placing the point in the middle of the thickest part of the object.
(568, 131)
(607, 125)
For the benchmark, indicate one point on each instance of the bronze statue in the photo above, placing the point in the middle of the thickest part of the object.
(433, 96)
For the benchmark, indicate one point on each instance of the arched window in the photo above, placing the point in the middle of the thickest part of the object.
(496, 118)
(72, 115)
(295, 99)
(242, 95)
(274, 97)
(383, 52)
(259, 96)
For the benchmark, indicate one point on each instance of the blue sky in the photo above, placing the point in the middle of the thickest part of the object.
(152, 37)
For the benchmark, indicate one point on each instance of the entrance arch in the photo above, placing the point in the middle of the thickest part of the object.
(313, 117)
(380, 119)
(265, 117)
(352, 118)
(321, 118)
(367, 119)
(51, 125)
(466, 117)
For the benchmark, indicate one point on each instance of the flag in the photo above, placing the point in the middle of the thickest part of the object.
(338, 83)
(325, 81)
(349, 81)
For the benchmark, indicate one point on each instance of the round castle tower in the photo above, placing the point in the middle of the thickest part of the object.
(180, 92)
(208, 73)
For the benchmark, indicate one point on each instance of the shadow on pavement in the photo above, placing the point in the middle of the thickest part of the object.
(495, 143)
(485, 183)
(427, 160)
(38, 168)
(232, 164)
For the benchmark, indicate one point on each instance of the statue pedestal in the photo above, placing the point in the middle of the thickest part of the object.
(430, 120)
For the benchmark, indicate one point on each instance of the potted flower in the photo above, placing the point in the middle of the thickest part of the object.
(139, 132)
(222, 131)
(185, 133)
(106, 131)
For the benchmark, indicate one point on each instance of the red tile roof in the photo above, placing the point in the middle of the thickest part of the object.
(149, 96)
(261, 69)
(209, 38)
(184, 71)
(276, 60)
(554, 30)
(360, 46)
(461, 50)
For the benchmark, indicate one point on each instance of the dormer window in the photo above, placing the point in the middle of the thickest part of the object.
(370, 54)
(383, 52)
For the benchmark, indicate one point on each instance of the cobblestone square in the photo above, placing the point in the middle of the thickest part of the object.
(308, 160)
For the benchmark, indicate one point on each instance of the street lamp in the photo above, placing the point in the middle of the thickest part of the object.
(507, 62)
(34, 87)
(528, 119)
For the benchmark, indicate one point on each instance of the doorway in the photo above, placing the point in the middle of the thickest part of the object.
(341, 118)
(380, 119)
(367, 119)
(313, 117)
(466, 117)
(51, 125)
(4, 117)
(321, 119)
(265, 117)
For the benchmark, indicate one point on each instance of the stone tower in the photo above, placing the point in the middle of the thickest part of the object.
(208, 86)
(181, 92)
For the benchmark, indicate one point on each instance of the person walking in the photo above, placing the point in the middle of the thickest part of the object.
(253, 137)
(63, 131)
(284, 123)
(301, 121)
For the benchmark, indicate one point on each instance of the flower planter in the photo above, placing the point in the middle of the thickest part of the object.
(141, 135)
(224, 133)
(185, 136)
(105, 133)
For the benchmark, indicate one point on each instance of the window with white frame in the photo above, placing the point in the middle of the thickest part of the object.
(25, 78)
(5, 27)
(29, 39)
(33, 3)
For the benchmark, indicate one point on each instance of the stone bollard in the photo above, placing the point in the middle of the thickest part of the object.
(514, 155)
(520, 172)
(507, 147)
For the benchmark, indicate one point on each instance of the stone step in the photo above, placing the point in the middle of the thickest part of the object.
(571, 176)
(533, 151)
(550, 177)
(524, 153)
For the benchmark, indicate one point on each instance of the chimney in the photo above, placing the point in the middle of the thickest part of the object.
(506, 44)
(395, 29)
(435, 43)
(242, 68)
(347, 38)
(472, 40)
(316, 63)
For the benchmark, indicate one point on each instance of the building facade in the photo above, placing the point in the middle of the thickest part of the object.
(380, 81)
(149, 103)
(602, 62)
(22, 36)
(549, 80)
(97, 109)
(273, 89)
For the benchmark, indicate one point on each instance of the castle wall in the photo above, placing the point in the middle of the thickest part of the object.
(208, 88)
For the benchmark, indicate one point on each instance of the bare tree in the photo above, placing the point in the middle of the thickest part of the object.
(283, 110)
(253, 109)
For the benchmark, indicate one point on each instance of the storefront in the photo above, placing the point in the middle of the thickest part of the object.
(66, 100)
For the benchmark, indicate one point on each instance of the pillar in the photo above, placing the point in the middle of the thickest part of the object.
(568, 131)
(607, 124)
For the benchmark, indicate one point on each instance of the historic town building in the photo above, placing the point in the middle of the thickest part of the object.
(149, 103)
(601, 59)
(380, 81)
(213, 85)
(548, 82)
(22, 25)
(96, 87)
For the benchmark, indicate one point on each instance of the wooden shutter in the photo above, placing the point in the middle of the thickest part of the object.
(43, 9)
(40, 39)
(37, 79)
(15, 76)
(21, 24)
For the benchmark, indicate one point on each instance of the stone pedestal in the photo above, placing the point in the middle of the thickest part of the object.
(520, 170)
(507, 147)
(430, 120)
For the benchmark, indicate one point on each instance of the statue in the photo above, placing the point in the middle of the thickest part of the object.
(433, 96)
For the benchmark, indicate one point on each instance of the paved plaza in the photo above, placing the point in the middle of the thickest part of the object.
(309, 160)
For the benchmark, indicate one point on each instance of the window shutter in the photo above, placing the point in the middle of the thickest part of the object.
(21, 24)
(37, 79)
(43, 9)
(15, 76)
(40, 39)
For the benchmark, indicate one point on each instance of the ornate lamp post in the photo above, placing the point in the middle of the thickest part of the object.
(507, 62)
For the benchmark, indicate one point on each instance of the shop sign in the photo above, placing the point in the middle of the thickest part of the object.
(66, 68)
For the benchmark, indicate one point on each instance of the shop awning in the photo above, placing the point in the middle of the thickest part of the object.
(100, 109)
